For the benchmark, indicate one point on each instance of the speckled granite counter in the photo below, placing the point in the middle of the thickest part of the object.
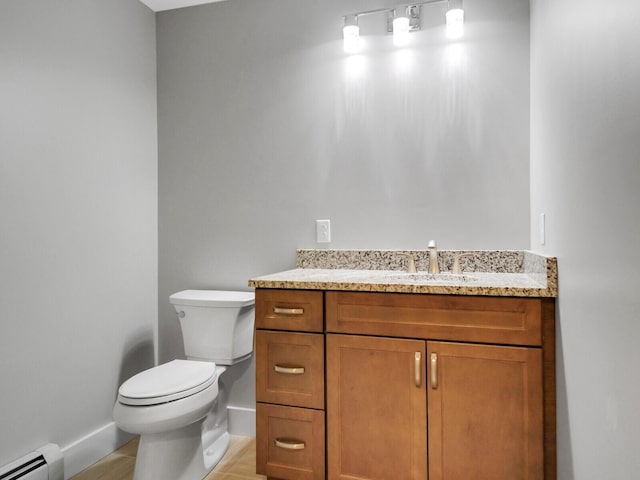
(494, 273)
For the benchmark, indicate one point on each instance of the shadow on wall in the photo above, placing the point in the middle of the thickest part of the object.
(563, 432)
(138, 355)
(234, 374)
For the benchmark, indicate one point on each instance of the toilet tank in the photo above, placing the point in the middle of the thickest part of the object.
(216, 325)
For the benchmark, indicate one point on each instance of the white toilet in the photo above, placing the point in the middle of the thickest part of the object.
(179, 409)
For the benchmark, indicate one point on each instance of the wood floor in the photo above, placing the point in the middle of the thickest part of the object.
(239, 463)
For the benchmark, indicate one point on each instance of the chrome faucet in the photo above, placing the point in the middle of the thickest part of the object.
(433, 257)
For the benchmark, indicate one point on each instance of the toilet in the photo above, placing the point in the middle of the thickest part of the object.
(179, 408)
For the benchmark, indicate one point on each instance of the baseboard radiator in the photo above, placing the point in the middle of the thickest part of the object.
(46, 463)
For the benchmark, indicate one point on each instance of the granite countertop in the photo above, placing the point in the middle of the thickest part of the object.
(495, 273)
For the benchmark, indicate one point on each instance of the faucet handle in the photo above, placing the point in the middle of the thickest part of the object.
(411, 267)
(456, 270)
(432, 244)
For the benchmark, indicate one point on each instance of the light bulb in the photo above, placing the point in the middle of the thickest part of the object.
(455, 23)
(351, 34)
(400, 31)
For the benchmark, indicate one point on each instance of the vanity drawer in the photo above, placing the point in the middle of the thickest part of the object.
(290, 442)
(290, 368)
(298, 310)
(501, 320)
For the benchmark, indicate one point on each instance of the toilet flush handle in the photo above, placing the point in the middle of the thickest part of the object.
(181, 314)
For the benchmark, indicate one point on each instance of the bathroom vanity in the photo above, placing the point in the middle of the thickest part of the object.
(371, 373)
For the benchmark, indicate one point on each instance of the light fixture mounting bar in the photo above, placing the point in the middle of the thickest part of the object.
(380, 10)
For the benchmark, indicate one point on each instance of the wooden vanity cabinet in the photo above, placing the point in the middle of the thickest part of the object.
(433, 387)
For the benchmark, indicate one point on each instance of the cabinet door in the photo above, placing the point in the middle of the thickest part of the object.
(376, 408)
(485, 412)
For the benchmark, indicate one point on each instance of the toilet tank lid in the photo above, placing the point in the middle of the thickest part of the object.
(213, 298)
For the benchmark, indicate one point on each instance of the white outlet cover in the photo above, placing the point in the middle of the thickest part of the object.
(323, 231)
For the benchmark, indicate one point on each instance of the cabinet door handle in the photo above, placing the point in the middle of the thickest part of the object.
(289, 370)
(417, 369)
(288, 311)
(434, 370)
(289, 444)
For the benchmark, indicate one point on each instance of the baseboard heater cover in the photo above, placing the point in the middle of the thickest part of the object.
(45, 463)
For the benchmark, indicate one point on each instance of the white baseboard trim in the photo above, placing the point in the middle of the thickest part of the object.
(87, 450)
(242, 421)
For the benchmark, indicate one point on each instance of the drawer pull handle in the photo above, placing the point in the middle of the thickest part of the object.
(288, 311)
(289, 370)
(434, 370)
(417, 368)
(289, 444)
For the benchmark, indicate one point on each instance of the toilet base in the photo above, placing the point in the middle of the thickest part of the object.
(179, 454)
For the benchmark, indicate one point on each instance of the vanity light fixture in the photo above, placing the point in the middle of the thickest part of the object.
(351, 34)
(401, 21)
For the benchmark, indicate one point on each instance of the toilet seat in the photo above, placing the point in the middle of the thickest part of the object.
(167, 382)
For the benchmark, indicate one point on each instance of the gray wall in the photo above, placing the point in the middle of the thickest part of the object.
(265, 127)
(585, 164)
(78, 214)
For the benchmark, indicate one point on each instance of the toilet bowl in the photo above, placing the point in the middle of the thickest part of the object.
(179, 409)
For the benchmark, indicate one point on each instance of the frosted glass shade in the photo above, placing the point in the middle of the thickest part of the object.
(351, 38)
(455, 23)
(400, 31)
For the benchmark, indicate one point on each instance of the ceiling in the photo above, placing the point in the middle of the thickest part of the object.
(159, 5)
